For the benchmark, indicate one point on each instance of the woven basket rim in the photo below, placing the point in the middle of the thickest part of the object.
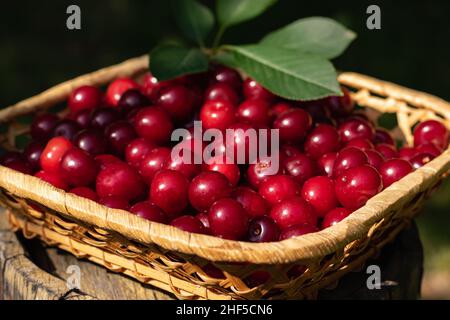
(211, 248)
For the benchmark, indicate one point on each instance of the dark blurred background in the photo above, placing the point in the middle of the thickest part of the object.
(412, 49)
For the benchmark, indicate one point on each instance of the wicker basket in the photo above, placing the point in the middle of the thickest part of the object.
(177, 261)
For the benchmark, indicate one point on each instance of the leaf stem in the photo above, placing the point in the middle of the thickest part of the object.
(218, 37)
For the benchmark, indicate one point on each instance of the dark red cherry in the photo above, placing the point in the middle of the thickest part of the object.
(20, 165)
(114, 202)
(91, 141)
(33, 152)
(355, 128)
(43, 125)
(226, 75)
(357, 185)
(66, 128)
(217, 115)
(393, 170)
(221, 92)
(136, 150)
(153, 162)
(178, 102)
(117, 88)
(263, 229)
(85, 192)
(11, 156)
(383, 136)
(431, 131)
(293, 211)
(105, 159)
(388, 151)
(78, 168)
(153, 124)
(132, 99)
(279, 108)
(54, 178)
(361, 143)
(318, 111)
(428, 148)
(84, 98)
(326, 163)
(297, 230)
(151, 86)
(421, 159)
(319, 193)
(334, 216)
(103, 117)
(208, 187)
(169, 191)
(375, 159)
(228, 219)
(189, 224)
(260, 171)
(251, 201)
(119, 135)
(300, 167)
(254, 112)
(277, 188)
(253, 90)
(348, 158)
(149, 211)
(293, 125)
(341, 105)
(407, 153)
(82, 118)
(323, 139)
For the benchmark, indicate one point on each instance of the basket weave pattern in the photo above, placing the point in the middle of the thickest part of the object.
(175, 261)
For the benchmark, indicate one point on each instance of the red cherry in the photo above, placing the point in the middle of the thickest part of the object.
(393, 170)
(136, 150)
(153, 124)
(244, 152)
(221, 92)
(323, 139)
(428, 148)
(119, 135)
(66, 128)
(334, 216)
(20, 165)
(293, 211)
(341, 106)
(78, 168)
(260, 171)
(85, 192)
(253, 90)
(297, 230)
(119, 179)
(228, 219)
(226, 75)
(84, 97)
(82, 118)
(388, 151)
(251, 201)
(300, 167)
(33, 152)
(421, 159)
(151, 86)
(132, 99)
(357, 185)
(208, 187)
(177, 101)
(117, 88)
(277, 188)
(254, 112)
(293, 125)
(318, 111)
(279, 108)
(169, 191)
(407, 153)
(263, 229)
(43, 125)
(91, 141)
(189, 224)
(287, 151)
(383, 136)
(361, 143)
(355, 128)
(375, 159)
(188, 168)
(153, 162)
(326, 163)
(105, 159)
(53, 153)
(217, 115)
(229, 170)
(149, 211)
(103, 117)
(114, 202)
(319, 193)
(431, 131)
(53, 178)
(348, 158)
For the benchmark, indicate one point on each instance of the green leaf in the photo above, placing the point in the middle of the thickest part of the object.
(171, 61)
(286, 72)
(318, 35)
(231, 12)
(194, 19)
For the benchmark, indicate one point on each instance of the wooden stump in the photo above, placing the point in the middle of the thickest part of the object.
(30, 270)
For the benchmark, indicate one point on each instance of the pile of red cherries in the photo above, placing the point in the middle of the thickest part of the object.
(115, 148)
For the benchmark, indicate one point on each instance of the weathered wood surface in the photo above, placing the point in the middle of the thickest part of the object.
(29, 270)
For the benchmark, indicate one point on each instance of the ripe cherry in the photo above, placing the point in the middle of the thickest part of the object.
(254, 112)
(326, 163)
(228, 169)
(388, 151)
(20, 165)
(319, 193)
(53, 153)
(119, 179)
(54, 178)
(66, 128)
(153, 124)
(260, 171)
(119, 135)
(357, 185)
(117, 88)
(82, 118)
(361, 143)
(293, 125)
(263, 229)
(228, 219)
(114, 202)
(132, 99)
(78, 168)
(91, 141)
(334, 216)
(151, 86)
(407, 153)
(355, 128)
(84, 98)
(293, 211)
(277, 188)
(226, 75)
(85, 192)
(169, 191)
(428, 148)
(348, 158)
(300, 167)
(383, 136)
(221, 92)
(208, 187)
(136, 150)
(43, 125)
(153, 162)
(297, 230)
(431, 131)
(375, 159)
(393, 170)
(188, 168)
(251, 201)
(323, 139)
(421, 159)
(105, 159)
(217, 115)
(253, 90)
(341, 106)
(103, 117)
(177, 101)
(279, 108)
(33, 152)
(149, 211)
(241, 143)
(189, 224)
